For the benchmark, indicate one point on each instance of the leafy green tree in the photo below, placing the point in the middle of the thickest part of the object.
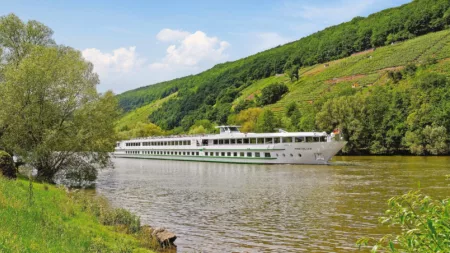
(202, 127)
(410, 69)
(395, 76)
(266, 122)
(430, 140)
(293, 73)
(17, 38)
(243, 104)
(247, 119)
(272, 93)
(140, 130)
(55, 118)
(291, 108)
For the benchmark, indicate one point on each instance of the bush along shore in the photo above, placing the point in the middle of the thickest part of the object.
(37, 217)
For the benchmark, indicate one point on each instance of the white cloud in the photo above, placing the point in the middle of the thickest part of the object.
(169, 35)
(113, 68)
(186, 53)
(121, 60)
(191, 50)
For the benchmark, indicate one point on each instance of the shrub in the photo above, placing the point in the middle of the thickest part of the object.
(424, 223)
(7, 167)
(272, 93)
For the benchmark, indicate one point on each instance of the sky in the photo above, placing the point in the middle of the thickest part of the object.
(142, 42)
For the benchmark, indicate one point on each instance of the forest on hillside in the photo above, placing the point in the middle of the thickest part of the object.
(402, 125)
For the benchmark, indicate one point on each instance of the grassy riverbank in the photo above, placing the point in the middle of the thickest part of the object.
(45, 218)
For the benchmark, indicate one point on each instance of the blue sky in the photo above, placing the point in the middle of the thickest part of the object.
(137, 43)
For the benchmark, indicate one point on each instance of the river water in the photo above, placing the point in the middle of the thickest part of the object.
(216, 207)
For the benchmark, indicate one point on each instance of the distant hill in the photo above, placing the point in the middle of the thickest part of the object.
(339, 61)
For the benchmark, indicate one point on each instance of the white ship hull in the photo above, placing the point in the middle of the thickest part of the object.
(204, 149)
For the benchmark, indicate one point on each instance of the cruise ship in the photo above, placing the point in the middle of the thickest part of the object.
(232, 146)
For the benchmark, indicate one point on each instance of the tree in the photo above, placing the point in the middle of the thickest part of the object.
(140, 130)
(272, 93)
(430, 140)
(202, 127)
(247, 119)
(56, 119)
(17, 38)
(293, 72)
(266, 122)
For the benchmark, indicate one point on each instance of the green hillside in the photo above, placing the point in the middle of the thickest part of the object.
(414, 36)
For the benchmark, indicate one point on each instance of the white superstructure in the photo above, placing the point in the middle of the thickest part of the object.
(232, 146)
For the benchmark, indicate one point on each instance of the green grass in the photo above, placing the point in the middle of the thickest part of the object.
(60, 222)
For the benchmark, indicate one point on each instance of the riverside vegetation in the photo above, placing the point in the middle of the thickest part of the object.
(53, 119)
(39, 217)
(382, 80)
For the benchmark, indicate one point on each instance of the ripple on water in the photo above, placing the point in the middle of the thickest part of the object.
(270, 208)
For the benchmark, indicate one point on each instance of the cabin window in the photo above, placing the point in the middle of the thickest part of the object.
(253, 140)
(165, 143)
(292, 155)
(215, 142)
(257, 154)
(316, 139)
(197, 153)
(260, 141)
(217, 153)
(239, 141)
(184, 153)
(323, 139)
(246, 141)
(309, 139)
(267, 155)
(299, 155)
(222, 154)
(226, 141)
(229, 154)
(276, 140)
(299, 139)
(269, 141)
(206, 153)
(220, 142)
(233, 141)
(249, 154)
(287, 139)
(242, 154)
(235, 154)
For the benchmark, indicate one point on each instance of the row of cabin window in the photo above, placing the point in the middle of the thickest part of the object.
(230, 154)
(162, 153)
(159, 143)
(269, 140)
(238, 154)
